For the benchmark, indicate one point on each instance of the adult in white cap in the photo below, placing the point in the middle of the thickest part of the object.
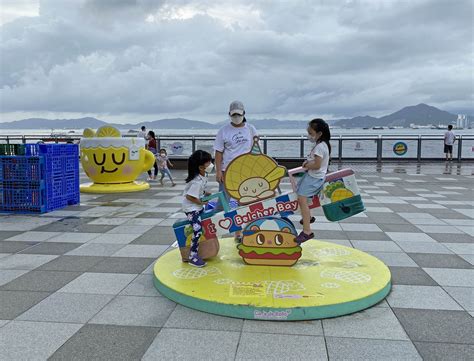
(232, 140)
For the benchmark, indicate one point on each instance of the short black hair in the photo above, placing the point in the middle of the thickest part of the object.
(143, 127)
(450, 127)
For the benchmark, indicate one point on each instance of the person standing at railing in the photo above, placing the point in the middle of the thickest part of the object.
(232, 140)
(449, 139)
(142, 133)
(151, 146)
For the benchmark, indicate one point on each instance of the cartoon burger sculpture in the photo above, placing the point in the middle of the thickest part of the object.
(270, 241)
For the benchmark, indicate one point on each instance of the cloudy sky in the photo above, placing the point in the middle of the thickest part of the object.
(134, 60)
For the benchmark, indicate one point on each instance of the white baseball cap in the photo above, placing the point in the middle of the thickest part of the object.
(236, 107)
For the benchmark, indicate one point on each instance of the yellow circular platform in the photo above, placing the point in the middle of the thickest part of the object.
(329, 280)
(114, 187)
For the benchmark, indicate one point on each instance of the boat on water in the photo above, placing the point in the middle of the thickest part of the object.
(377, 128)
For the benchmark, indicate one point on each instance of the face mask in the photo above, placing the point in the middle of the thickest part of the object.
(237, 119)
(209, 168)
(163, 154)
(311, 139)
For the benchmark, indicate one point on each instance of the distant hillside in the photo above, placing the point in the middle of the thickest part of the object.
(421, 114)
(41, 123)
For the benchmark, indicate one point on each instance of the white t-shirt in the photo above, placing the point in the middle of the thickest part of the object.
(195, 188)
(141, 134)
(234, 141)
(321, 150)
(449, 138)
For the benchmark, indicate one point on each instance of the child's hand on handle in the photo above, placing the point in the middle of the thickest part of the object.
(304, 164)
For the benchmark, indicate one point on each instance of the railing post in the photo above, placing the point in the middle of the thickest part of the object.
(302, 147)
(264, 145)
(460, 148)
(23, 139)
(418, 149)
(158, 143)
(193, 144)
(379, 149)
(340, 148)
(8, 140)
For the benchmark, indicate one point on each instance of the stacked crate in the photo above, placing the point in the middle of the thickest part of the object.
(38, 178)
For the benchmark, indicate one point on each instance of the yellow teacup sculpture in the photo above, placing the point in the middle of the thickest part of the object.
(112, 162)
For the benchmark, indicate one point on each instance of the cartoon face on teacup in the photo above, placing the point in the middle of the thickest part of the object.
(108, 158)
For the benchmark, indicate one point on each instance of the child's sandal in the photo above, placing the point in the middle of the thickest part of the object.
(312, 220)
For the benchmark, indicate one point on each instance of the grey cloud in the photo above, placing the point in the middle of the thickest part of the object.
(305, 57)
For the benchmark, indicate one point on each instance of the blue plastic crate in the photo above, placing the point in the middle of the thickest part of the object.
(21, 168)
(22, 197)
(52, 149)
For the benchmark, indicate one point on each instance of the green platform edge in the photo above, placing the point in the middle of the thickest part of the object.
(272, 314)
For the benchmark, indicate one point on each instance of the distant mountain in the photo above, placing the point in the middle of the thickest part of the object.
(41, 123)
(421, 114)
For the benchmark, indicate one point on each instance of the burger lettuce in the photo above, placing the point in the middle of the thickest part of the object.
(269, 252)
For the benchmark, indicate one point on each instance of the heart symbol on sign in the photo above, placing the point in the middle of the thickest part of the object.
(225, 223)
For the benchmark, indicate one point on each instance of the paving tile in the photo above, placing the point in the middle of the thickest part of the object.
(375, 322)
(387, 218)
(452, 277)
(452, 238)
(32, 236)
(128, 229)
(398, 227)
(8, 234)
(64, 307)
(421, 297)
(423, 247)
(411, 276)
(109, 221)
(15, 246)
(466, 229)
(47, 281)
(22, 340)
(468, 257)
(122, 265)
(363, 349)
(437, 325)
(394, 259)
(99, 283)
(365, 236)
(107, 342)
(71, 263)
(429, 260)
(381, 246)
(463, 295)
(313, 327)
(136, 311)
(460, 248)
(14, 303)
(410, 237)
(115, 238)
(360, 227)
(95, 249)
(138, 250)
(183, 317)
(141, 286)
(73, 237)
(264, 346)
(168, 345)
(439, 229)
(444, 351)
(24, 261)
(51, 248)
(8, 275)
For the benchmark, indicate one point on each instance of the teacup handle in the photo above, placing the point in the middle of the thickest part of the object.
(149, 160)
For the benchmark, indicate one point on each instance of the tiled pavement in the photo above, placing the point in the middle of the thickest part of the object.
(76, 283)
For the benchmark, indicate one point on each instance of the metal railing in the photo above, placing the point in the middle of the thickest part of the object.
(293, 147)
